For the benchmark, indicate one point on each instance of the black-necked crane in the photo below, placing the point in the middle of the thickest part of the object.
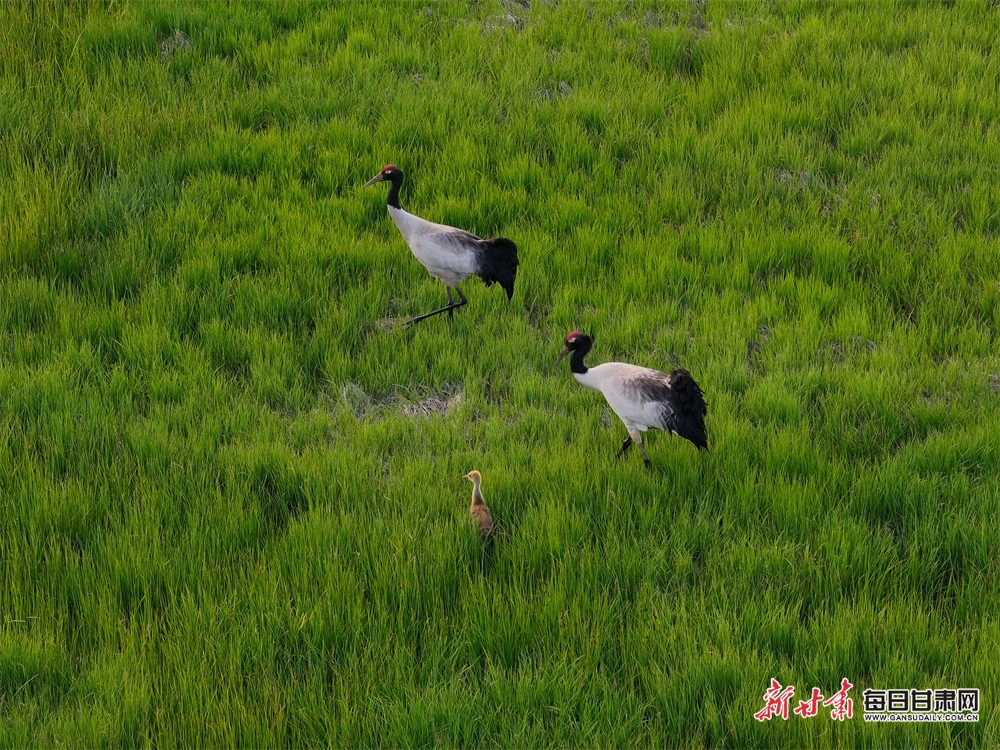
(449, 254)
(642, 398)
(479, 512)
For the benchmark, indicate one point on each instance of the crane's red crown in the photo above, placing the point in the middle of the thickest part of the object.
(572, 337)
(389, 168)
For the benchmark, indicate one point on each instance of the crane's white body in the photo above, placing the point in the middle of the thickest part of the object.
(448, 254)
(625, 387)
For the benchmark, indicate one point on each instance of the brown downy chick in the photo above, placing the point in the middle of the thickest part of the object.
(478, 511)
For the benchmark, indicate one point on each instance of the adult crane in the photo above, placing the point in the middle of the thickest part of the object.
(642, 398)
(449, 254)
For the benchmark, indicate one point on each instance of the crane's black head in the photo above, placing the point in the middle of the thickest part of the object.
(577, 340)
(394, 175)
(390, 172)
(579, 344)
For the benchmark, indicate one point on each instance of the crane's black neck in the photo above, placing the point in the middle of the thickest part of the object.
(576, 360)
(395, 183)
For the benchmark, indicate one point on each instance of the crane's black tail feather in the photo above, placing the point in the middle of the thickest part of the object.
(498, 263)
(692, 408)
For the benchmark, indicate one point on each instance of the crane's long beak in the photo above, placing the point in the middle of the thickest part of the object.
(563, 353)
(373, 180)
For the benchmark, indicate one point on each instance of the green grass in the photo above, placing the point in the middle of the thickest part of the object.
(230, 514)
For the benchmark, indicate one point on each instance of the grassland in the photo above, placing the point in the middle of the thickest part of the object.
(232, 504)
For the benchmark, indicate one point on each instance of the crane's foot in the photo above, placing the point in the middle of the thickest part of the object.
(645, 458)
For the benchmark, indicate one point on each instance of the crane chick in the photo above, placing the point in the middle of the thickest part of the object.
(480, 514)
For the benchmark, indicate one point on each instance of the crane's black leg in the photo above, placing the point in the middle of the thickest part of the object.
(447, 308)
(451, 305)
(432, 313)
(645, 458)
(625, 446)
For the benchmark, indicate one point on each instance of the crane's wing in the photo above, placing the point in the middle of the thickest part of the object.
(676, 400)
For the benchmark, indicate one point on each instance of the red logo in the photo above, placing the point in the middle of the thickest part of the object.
(777, 699)
(775, 702)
